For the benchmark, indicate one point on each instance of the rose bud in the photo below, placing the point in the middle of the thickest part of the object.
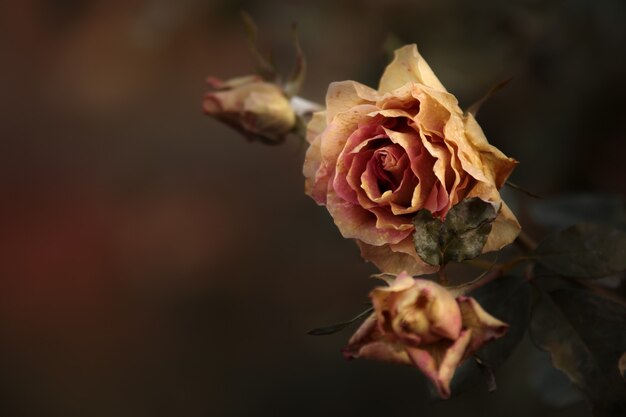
(258, 109)
(377, 157)
(419, 323)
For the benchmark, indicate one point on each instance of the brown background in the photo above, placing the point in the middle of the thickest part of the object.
(153, 263)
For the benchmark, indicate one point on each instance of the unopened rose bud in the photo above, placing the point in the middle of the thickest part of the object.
(258, 109)
(420, 323)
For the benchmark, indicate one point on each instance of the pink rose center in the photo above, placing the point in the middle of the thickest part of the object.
(387, 166)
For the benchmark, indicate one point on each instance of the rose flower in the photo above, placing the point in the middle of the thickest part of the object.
(419, 323)
(376, 157)
(258, 109)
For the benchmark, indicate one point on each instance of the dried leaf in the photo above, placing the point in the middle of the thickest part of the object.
(295, 81)
(466, 229)
(584, 335)
(461, 236)
(426, 237)
(584, 251)
(267, 69)
(507, 298)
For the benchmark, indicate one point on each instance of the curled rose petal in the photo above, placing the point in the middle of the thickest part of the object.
(382, 155)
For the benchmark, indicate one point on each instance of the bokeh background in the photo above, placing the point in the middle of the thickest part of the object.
(154, 263)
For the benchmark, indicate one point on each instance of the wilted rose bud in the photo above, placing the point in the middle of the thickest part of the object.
(420, 323)
(258, 109)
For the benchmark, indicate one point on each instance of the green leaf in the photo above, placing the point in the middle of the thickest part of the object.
(585, 337)
(461, 236)
(584, 251)
(334, 328)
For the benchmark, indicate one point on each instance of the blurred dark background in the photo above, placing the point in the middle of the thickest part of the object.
(154, 263)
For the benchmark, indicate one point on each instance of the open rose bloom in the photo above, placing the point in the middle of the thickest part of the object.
(376, 157)
(419, 323)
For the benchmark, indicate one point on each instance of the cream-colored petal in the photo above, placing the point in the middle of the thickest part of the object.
(438, 361)
(369, 343)
(504, 231)
(497, 165)
(316, 126)
(394, 259)
(310, 168)
(267, 113)
(453, 357)
(408, 66)
(343, 96)
(505, 227)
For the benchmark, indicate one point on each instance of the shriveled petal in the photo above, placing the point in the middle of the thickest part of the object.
(504, 231)
(421, 163)
(268, 113)
(408, 66)
(497, 165)
(325, 148)
(368, 343)
(483, 325)
(316, 126)
(355, 222)
(424, 309)
(343, 96)
(383, 351)
(505, 227)
(310, 169)
(233, 100)
(394, 259)
(439, 361)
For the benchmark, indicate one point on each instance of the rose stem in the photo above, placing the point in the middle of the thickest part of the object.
(443, 278)
(526, 242)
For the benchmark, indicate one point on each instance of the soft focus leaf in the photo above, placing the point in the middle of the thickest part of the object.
(584, 251)
(461, 236)
(295, 81)
(465, 229)
(426, 237)
(585, 337)
(267, 69)
(567, 210)
(549, 384)
(507, 298)
(323, 331)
